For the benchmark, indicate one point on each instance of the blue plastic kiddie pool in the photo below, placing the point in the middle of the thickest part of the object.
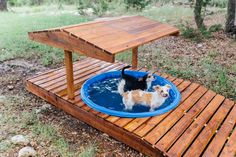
(100, 93)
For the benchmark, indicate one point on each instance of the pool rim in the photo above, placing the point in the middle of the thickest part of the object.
(90, 103)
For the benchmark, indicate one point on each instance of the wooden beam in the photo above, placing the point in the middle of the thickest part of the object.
(135, 57)
(69, 74)
(66, 41)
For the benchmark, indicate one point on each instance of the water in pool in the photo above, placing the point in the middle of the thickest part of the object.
(104, 93)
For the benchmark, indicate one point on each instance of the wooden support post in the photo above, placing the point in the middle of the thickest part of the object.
(135, 57)
(69, 74)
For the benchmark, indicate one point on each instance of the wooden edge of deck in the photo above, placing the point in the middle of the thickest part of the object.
(101, 124)
(66, 41)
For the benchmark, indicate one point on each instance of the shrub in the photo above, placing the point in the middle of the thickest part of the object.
(215, 28)
(137, 4)
(198, 34)
(99, 7)
(218, 3)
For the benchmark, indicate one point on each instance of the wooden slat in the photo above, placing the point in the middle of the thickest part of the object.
(109, 36)
(140, 40)
(189, 135)
(184, 122)
(111, 30)
(219, 140)
(62, 87)
(61, 74)
(102, 115)
(53, 72)
(230, 147)
(149, 125)
(178, 81)
(123, 35)
(96, 24)
(204, 137)
(156, 29)
(171, 78)
(78, 74)
(123, 121)
(112, 119)
(168, 122)
(135, 123)
(183, 85)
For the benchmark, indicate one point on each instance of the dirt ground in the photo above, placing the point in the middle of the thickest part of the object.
(79, 135)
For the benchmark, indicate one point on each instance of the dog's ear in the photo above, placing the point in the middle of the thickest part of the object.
(168, 86)
(157, 87)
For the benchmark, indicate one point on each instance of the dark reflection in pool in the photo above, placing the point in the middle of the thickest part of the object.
(104, 93)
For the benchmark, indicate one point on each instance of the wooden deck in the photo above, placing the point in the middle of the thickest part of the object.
(202, 125)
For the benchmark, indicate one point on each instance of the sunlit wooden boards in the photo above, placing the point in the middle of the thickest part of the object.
(202, 125)
(103, 39)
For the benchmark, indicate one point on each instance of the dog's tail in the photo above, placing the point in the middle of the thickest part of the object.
(126, 67)
(121, 87)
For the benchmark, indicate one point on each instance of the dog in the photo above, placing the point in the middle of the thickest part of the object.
(129, 82)
(151, 99)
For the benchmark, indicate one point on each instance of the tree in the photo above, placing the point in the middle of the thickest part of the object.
(198, 14)
(3, 5)
(229, 26)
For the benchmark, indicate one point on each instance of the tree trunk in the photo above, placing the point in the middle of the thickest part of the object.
(229, 26)
(3, 5)
(198, 14)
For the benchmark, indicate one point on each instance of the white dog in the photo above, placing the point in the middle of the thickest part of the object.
(151, 99)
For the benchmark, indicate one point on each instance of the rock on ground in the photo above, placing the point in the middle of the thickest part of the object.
(2, 99)
(27, 152)
(19, 139)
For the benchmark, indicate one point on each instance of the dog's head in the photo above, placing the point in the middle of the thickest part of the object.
(150, 78)
(163, 90)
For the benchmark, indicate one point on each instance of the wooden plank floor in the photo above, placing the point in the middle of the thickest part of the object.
(202, 125)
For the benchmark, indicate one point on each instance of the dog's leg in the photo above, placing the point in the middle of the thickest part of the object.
(128, 103)
(152, 108)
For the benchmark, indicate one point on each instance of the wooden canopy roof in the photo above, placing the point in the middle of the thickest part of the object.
(103, 39)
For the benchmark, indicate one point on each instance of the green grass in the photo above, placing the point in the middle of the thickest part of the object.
(14, 42)
(30, 122)
(89, 151)
(168, 13)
